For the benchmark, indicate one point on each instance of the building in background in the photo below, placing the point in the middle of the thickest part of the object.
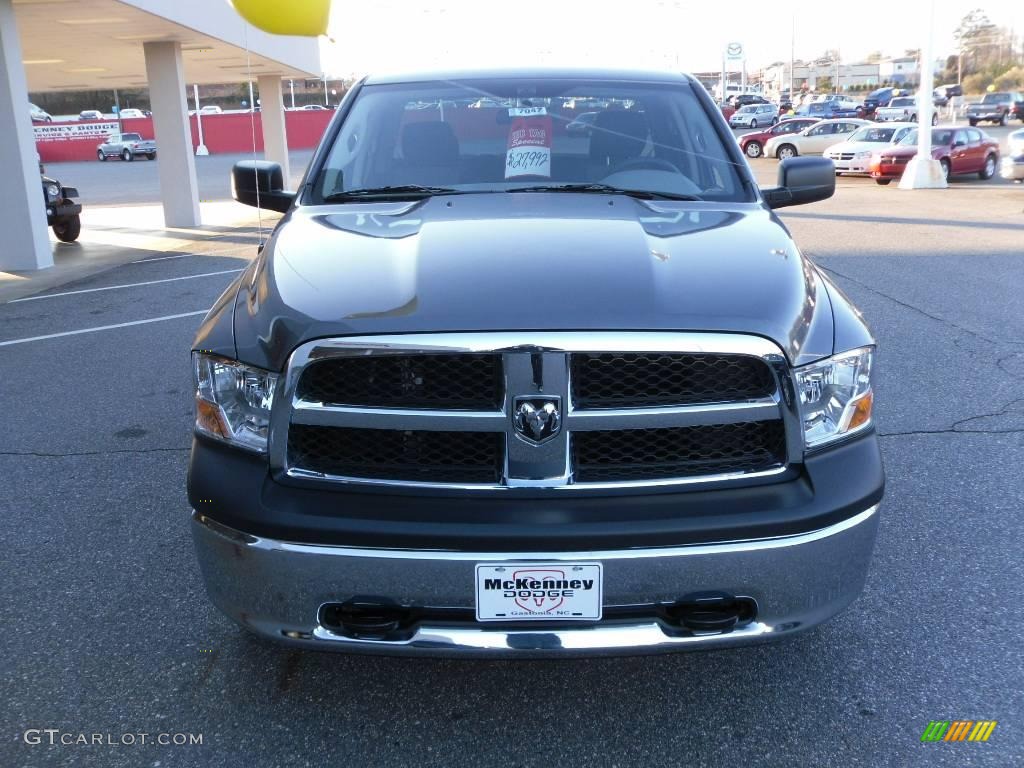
(899, 70)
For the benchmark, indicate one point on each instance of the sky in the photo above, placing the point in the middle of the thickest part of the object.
(396, 36)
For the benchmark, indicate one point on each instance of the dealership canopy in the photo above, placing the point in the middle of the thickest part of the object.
(162, 45)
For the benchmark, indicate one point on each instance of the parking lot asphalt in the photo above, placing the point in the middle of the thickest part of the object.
(116, 182)
(108, 630)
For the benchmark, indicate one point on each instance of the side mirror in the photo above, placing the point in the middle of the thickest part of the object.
(802, 180)
(260, 183)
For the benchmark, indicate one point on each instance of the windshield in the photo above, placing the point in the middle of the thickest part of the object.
(939, 136)
(995, 98)
(870, 133)
(504, 134)
(749, 108)
(902, 102)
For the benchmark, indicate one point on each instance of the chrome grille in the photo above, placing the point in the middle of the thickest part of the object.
(635, 411)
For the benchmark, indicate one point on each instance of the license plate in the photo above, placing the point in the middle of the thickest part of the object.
(538, 591)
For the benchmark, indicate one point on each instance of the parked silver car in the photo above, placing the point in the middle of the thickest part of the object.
(39, 115)
(126, 146)
(1013, 162)
(753, 115)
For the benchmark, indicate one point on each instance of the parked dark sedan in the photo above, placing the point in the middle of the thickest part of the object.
(960, 151)
(879, 97)
(745, 99)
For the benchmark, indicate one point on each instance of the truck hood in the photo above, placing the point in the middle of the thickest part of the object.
(529, 261)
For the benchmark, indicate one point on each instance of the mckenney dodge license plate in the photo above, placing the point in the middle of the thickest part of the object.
(537, 591)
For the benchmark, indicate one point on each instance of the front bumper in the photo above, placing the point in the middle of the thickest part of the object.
(987, 116)
(852, 166)
(276, 589)
(61, 209)
(888, 171)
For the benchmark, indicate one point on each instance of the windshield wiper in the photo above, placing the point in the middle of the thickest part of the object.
(607, 189)
(398, 192)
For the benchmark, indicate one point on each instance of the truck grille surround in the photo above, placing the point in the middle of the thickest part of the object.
(537, 412)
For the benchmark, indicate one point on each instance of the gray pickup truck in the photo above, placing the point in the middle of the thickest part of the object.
(495, 389)
(996, 108)
(127, 146)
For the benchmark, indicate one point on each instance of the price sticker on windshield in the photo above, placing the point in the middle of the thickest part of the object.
(529, 143)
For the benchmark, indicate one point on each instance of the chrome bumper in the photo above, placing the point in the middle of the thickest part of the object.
(275, 589)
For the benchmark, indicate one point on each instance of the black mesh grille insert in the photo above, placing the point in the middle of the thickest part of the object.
(643, 454)
(613, 380)
(440, 457)
(465, 381)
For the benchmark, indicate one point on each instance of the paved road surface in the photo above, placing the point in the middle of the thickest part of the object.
(119, 183)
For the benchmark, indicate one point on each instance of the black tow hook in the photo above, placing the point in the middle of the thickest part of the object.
(365, 618)
(711, 612)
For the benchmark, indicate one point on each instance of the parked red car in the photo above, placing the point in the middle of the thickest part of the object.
(959, 150)
(752, 144)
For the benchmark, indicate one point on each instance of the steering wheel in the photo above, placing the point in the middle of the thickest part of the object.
(644, 163)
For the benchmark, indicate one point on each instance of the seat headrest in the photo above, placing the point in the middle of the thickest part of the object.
(432, 143)
(617, 135)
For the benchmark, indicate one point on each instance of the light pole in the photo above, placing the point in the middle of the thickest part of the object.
(924, 171)
(201, 150)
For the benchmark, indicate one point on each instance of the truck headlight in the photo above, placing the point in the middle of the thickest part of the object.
(52, 191)
(233, 401)
(835, 396)
(862, 155)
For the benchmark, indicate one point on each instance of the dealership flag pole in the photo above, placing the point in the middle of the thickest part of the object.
(792, 54)
(923, 170)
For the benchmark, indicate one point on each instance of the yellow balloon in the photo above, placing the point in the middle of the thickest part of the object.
(307, 18)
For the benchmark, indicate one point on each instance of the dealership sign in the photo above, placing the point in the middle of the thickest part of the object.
(69, 131)
(734, 51)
